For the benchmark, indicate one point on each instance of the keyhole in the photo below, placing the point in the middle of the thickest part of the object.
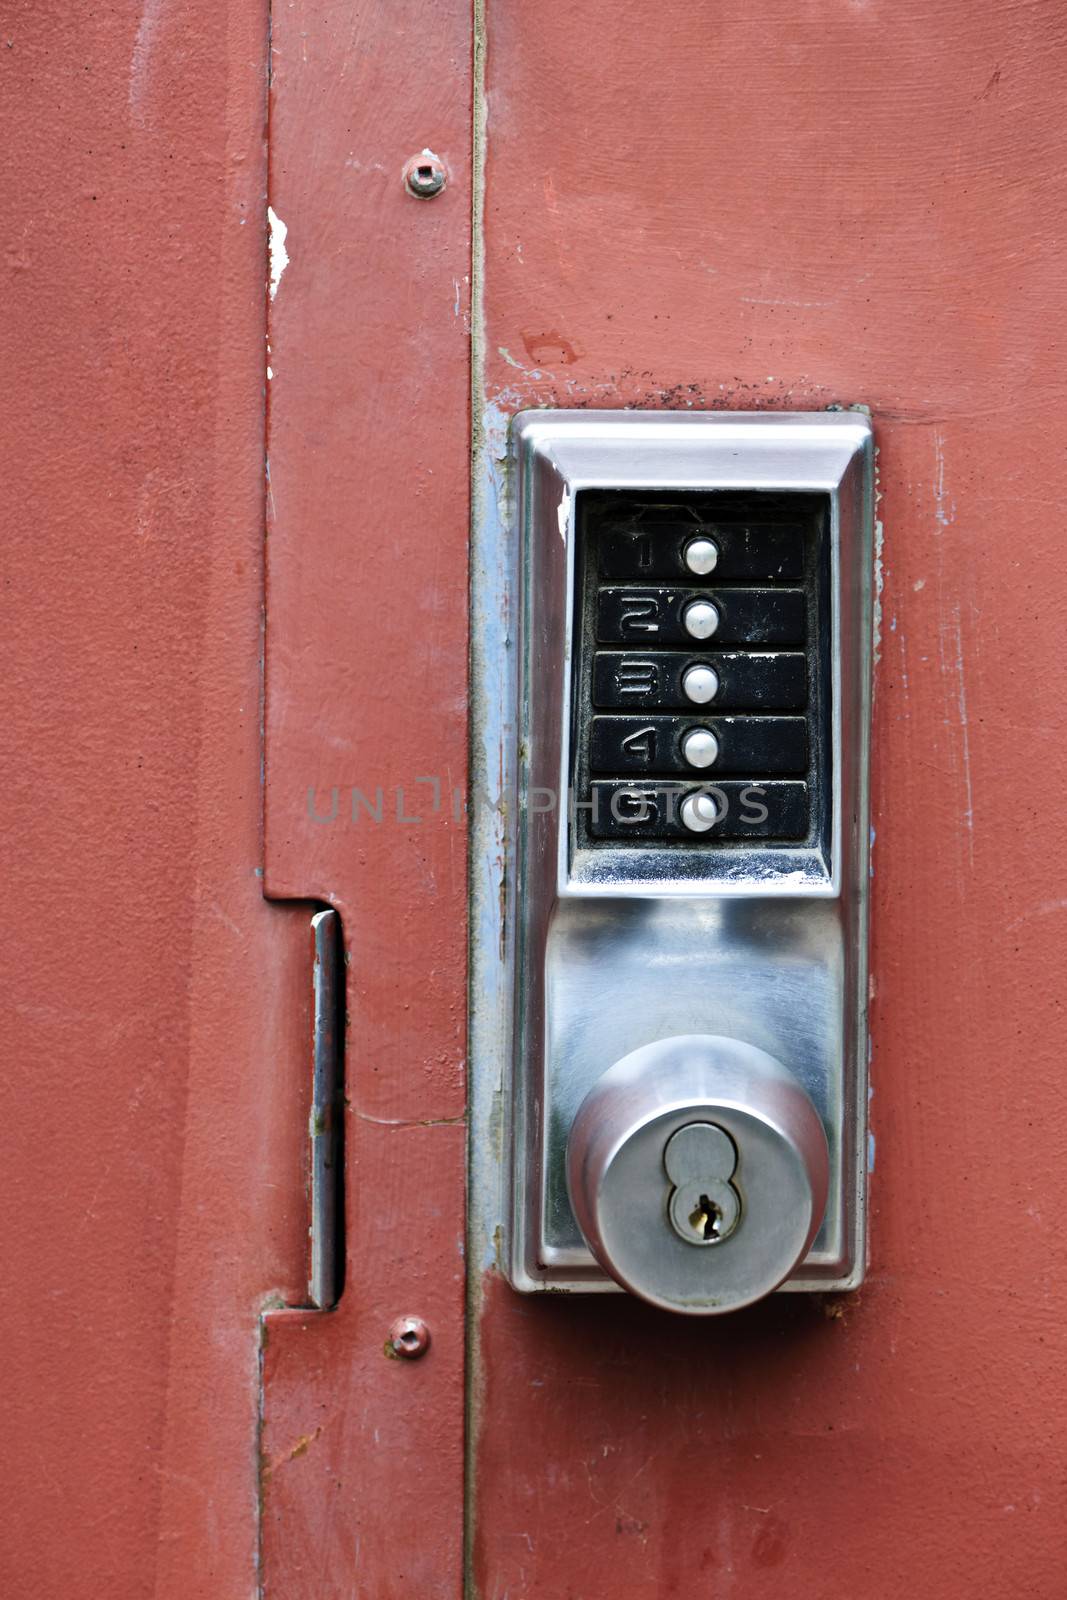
(704, 1207)
(706, 1218)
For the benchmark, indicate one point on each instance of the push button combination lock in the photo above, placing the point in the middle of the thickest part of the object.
(689, 951)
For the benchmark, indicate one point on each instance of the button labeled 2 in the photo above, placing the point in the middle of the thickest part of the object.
(659, 616)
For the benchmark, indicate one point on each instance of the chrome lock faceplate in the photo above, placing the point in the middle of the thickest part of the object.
(686, 734)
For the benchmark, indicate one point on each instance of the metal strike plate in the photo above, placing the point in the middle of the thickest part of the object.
(638, 919)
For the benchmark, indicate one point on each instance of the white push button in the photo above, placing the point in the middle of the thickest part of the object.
(701, 618)
(699, 812)
(700, 684)
(701, 555)
(700, 747)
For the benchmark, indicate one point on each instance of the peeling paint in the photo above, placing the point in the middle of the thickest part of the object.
(279, 255)
(141, 57)
(300, 1448)
(879, 585)
(493, 777)
(563, 513)
(945, 508)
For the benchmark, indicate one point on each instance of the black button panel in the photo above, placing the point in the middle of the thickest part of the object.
(701, 667)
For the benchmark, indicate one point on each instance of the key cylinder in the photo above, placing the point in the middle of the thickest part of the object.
(704, 1206)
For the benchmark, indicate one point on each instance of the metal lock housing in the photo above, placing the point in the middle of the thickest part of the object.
(688, 944)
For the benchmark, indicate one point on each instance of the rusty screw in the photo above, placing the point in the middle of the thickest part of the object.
(409, 1338)
(424, 175)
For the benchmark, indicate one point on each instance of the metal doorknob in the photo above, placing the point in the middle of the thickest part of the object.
(698, 1170)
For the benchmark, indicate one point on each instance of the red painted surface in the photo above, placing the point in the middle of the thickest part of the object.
(153, 1033)
(366, 689)
(782, 206)
(792, 206)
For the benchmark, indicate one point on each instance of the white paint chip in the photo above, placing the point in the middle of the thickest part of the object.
(879, 585)
(563, 514)
(279, 255)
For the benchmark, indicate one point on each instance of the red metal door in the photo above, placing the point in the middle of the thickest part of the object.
(708, 206)
(696, 207)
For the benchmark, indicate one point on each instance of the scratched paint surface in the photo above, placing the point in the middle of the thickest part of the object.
(155, 1011)
(772, 205)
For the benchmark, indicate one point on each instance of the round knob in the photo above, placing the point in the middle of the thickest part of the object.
(692, 1142)
(700, 684)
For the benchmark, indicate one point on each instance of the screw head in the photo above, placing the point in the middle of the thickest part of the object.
(424, 175)
(409, 1338)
